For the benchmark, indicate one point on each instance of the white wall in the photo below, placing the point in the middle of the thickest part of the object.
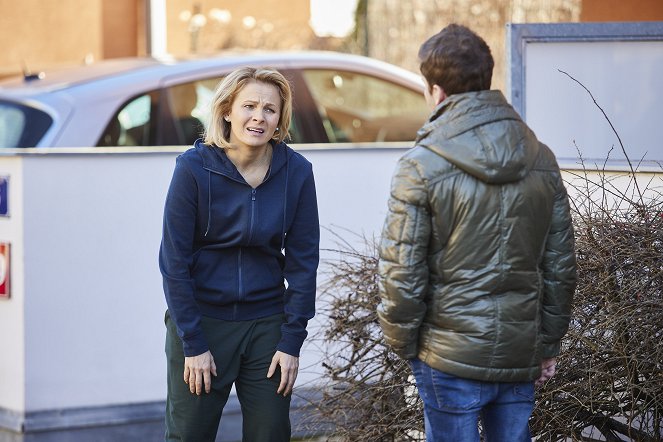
(12, 356)
(94, 305)
(85, 231)
(93, 297)
(352, 188)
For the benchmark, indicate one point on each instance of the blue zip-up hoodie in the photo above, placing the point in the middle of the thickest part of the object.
(227, 247)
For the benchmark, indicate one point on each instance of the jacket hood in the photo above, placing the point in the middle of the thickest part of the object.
(480, 133)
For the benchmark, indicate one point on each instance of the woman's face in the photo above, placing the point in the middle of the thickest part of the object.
(254, 115)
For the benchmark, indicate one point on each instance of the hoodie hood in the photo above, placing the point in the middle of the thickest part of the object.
(215, 160)
(480, 133)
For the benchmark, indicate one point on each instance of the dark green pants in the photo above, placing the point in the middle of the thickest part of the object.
(242, 352)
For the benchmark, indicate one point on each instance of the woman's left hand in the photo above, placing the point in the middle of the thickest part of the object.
(289, 368)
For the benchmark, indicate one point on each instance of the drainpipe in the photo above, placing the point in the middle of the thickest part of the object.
(156, 28)
(367, 51)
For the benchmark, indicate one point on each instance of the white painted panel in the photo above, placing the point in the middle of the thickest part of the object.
(94, 303)
(352, 188)
(93, 298)
(12, 356)
(625, 78)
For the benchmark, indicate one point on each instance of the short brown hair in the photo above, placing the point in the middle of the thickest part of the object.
(218, 129)
(457, 60)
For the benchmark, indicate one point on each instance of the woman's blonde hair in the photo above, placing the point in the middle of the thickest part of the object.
(218, 129)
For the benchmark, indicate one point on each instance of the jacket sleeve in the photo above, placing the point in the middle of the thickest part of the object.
(403, 265)
(559, 273)
(176, 258)
(302, 251)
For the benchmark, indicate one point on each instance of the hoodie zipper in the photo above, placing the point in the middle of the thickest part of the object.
(253, 212)
(240, 287)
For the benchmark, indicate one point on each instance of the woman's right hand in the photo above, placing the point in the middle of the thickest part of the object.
(198, 371)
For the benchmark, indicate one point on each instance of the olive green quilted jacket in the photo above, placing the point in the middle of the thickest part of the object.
(477, 262)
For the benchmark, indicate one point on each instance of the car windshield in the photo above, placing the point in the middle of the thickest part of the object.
(21, 126)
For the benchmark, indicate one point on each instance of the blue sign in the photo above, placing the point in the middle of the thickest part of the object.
(4, 193)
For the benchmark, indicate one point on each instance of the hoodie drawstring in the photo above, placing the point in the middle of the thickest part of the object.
(209, 201)
(285, 200)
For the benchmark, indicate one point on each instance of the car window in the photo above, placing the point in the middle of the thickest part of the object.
(189, 105)
(360, 108)
(190, 109)
(22, 126)
(178, 118)
(134, 124)
(135, 121)
(294, 130)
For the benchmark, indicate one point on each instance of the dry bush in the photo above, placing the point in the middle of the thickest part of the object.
(610, 375)
(368, 392)
(609, 383)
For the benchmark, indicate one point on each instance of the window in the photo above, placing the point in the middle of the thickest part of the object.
(22, 126)
(359, 108)
(174, 116)
(189, 105)
(134, 124)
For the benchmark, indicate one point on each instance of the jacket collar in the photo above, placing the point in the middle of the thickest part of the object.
(449, 118)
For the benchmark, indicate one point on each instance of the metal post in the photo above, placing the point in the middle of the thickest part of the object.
(156, 28)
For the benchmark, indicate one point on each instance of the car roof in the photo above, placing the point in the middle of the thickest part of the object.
(71, 75)
(166, 67)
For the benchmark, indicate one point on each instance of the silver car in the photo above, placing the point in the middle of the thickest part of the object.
(148, 102)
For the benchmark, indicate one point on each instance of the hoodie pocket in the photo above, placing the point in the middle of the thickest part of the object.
(262, 276)
(276, 271)
(215, 275)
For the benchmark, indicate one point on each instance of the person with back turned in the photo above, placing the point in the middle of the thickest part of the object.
(477, 263)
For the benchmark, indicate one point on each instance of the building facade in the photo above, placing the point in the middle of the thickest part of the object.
(38, 35)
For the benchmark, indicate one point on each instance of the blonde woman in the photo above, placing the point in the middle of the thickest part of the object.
(240, 220)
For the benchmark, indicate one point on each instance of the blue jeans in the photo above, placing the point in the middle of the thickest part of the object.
(453, 407)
